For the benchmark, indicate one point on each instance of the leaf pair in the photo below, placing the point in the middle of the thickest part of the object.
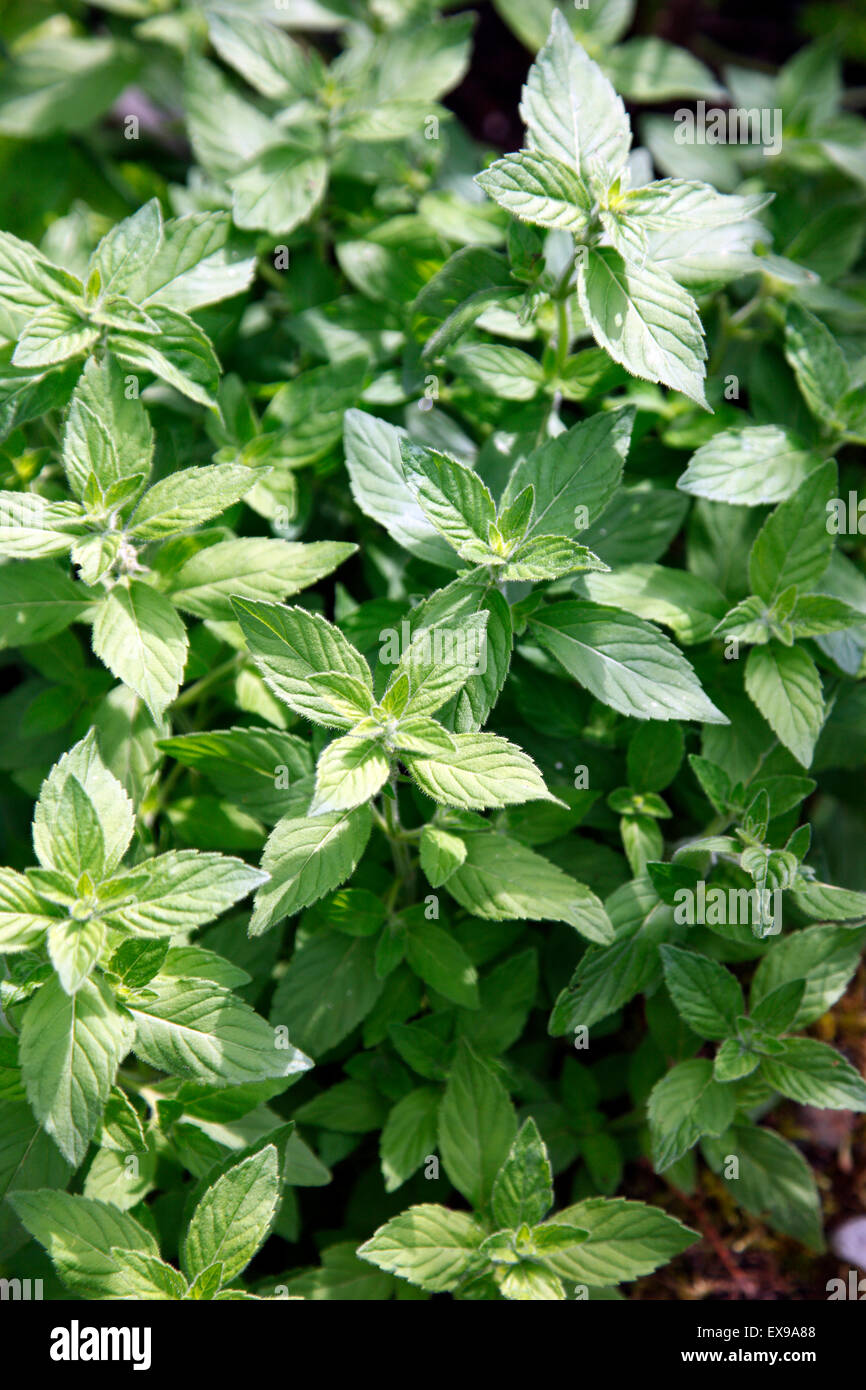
(278, 166)
(130, 587)
(108, 987)
(508, 1248)
(636, 248)
(142, 280)
(310, 664)
(101, 1252)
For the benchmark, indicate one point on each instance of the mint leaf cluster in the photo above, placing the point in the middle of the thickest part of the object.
(433, 631)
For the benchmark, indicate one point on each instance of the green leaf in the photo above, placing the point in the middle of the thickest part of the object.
(471, 281)
(409, 1135)
(78, 845)
(189, 497)
(224, 130)
(748, 467)
(439, 959)
(432, 1247)
(128, 243)
(304, 418)
(785, 685)
(507, 993)
(825, 901)
(583, 466)
(289, 645)
(707, 995)
(195, 1029)
(605, 979)
(107, 435)
(328, 989)
(735, 1060)
(136, 962)
(794, 544)
(777, 1011)
(597, 27)
(71, 1047)
(350, 1107)
(195, 264)
(113, 806)
(815, 614)
(380, 489)
(571, 111)
(686, 230)
(278, 189)
(539, 189)
(143, 642)
(526, 1282)
(823, 957)
(82, 1236)
(30, 281)
(440, 852)
(53, 335)
(623, 661)
(266, 57)
(655, 753)
(209, 580)
(350, 771)
(307, 858)
(523, 1189)
(439, 661)
(505, 371)
(74, 948)
(481, 770)
(453, 498)
(233, 1218)
(477, 1125)
(182, 889)
(649, 69)
(625, 1240)
(684, 1105)
(549, 557)
(818, 362)
(502, 879)
(812, 1073)
(33, 528)
(23, 916)
(774, 1182)
(246, 764)
(645, 320)
(37, 601)
(182, 962)
(148, 1277)
(184, 359)
(341, 1276)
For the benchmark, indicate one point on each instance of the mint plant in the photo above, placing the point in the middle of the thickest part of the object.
(111, 1255)
(433, 628)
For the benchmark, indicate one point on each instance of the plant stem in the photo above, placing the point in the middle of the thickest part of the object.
(562, 335)
(194, 691)
(402, 856)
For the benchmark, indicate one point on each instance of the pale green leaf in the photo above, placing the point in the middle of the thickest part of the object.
(143, 642)
(785, 685)
(623, 661)
(477, 1125)
(195, 1029)
(645, 320)
(233, 1217)
(502, 879)
(428, 1245)
(307, 858)
(71, 1047)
